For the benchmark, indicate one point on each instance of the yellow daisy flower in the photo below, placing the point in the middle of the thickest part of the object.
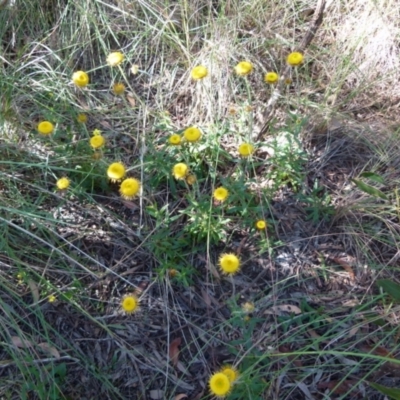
(115, 58)
(63, 183)
(52, 298)
(96, 132)
(175, 139)
(80, 78)
(116, 171)
(82, 118)
(129, 303)
(180, 171)
(271, 77)
(229, 264)
(248, 307)
(45, 128)
(97, 141)
(231, 372)
(220, 194)
(294, 59)
(129, 188)
(261, 225)
(199, 72)
(192, 134)
(244, 68)
(219, 384)
(246, 149)
(118, 88)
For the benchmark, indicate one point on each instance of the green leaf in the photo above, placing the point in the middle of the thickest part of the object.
(393, 393)
(369, 189)
(373, 177)
(391, 288)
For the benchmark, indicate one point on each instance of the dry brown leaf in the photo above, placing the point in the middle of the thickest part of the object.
(285, 308)
(180, 396)
(174, 350)
(131, 100)
(206, 297)
(339, 387)
(210, 266)
(21, 343)
(345, 266)
(49, 349)
(35, 291)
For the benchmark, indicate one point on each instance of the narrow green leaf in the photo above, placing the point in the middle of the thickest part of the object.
(393, 393)
(391, 288)
(369, 189)
(373, 177)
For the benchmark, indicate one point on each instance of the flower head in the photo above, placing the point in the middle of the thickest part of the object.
(220, 194)
(219, 384)
(248, 307)
(52, 298)
(134, 69)
(261, 224)
(199, 72)
(129, 188)
(82, 118)
(231, 372)
(229, 264)
(246, 149)
(288, 81)
(192, 134)
(191, 179)
(97, 141)
(118, 88)
(45, 128)
(80, 78)
(180, 171)
(63, 183)
(244, 68)
(271, 77)
(129, 303)
(175, 139)
(115, 58)
(96, 132)
(294, 59)
(116, 171)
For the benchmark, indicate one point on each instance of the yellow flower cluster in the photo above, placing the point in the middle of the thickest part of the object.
(221, 382)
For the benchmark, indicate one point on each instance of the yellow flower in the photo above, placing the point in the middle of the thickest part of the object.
(199, 72)
(118, 88)
(229, 264)
(220, 194)
(45, 128)
(97, 141)
(246, 149)
(294, 59)
(115, 58)
(271, 77)
(180, 170)
(80, 78)
(82, 118)
(248, 307)
(261, 225)
(96, 132)
(134, 69)
(244, 68)
(191, 179)
(52, 298)
(129, 188)
(174, 139)
(116, 171)
(288, 81)
(219, 384)
(230, 372)
(129, 303)
(192, 134)
(63, 183)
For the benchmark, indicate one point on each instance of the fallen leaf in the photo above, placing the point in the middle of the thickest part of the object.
(339, 387)
(174, 350)
(345, 266)
(131, 100)
(21, 343)
(206, 297)
(180, 396)
(285, 308)
(49, 349)
(156, 394)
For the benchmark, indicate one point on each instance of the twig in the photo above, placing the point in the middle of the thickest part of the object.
(315, 24)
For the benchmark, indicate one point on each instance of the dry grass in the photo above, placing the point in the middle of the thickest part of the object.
(320, 327)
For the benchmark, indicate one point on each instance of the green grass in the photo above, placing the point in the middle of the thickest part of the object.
(323, 276)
